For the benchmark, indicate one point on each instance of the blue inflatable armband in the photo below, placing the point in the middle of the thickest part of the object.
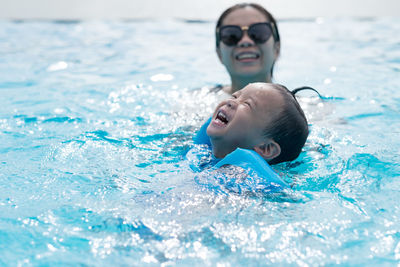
(201, 136)
(248, 160)
(252, 162)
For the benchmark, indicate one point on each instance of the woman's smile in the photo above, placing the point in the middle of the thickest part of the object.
(247, 56)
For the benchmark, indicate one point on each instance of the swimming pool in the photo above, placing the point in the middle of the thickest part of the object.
(95, 118)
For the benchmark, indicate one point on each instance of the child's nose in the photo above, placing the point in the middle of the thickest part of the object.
(231, 103)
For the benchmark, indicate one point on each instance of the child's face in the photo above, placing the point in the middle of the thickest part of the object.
(241, 120)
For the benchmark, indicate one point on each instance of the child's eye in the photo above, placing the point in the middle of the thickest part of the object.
(247, 103)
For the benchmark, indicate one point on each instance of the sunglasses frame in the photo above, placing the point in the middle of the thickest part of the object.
(243, 29)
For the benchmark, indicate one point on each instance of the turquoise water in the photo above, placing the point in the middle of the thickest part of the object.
(95, 118)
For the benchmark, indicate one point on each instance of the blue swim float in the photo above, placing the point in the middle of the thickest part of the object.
(249, 160)
(201, 137)
(254, 164)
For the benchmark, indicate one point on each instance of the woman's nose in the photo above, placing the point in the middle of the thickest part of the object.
(246, 41)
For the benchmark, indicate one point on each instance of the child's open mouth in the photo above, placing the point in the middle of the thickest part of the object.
(221, 118)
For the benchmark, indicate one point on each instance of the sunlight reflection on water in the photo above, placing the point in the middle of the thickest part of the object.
(94, 129)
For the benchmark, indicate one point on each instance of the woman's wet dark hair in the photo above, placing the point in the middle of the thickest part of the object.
(290, 127)
(270, 18)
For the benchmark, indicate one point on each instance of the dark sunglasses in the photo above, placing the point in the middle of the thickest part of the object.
(232, 34)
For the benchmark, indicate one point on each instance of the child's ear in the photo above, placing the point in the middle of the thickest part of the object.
(268, 150)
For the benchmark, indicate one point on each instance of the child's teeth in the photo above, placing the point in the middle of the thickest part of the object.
(222, 117)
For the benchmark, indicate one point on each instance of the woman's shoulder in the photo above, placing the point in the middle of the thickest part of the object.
(219, 88)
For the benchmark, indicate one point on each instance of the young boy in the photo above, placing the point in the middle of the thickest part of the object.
(262, 123)
(262, 117)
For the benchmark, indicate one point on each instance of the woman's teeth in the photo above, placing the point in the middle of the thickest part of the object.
(247, 56)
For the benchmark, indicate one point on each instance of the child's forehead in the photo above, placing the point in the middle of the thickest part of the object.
(266, 98)
(260, 90)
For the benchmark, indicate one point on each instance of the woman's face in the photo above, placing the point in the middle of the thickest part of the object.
(247, 58)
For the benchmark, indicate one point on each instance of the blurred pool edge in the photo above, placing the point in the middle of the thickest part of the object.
(191, 10)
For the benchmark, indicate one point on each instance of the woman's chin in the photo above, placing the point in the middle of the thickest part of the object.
(249, 71)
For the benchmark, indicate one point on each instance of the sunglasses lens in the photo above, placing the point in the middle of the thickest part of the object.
(260, 32)
(230, 35)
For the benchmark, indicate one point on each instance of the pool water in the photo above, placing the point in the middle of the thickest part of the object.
(96, 116)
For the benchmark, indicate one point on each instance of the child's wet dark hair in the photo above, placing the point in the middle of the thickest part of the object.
(290, 127)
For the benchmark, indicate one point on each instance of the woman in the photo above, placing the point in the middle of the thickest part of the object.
(247, 44)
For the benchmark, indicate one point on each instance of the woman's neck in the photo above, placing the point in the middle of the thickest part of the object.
(240, 82)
